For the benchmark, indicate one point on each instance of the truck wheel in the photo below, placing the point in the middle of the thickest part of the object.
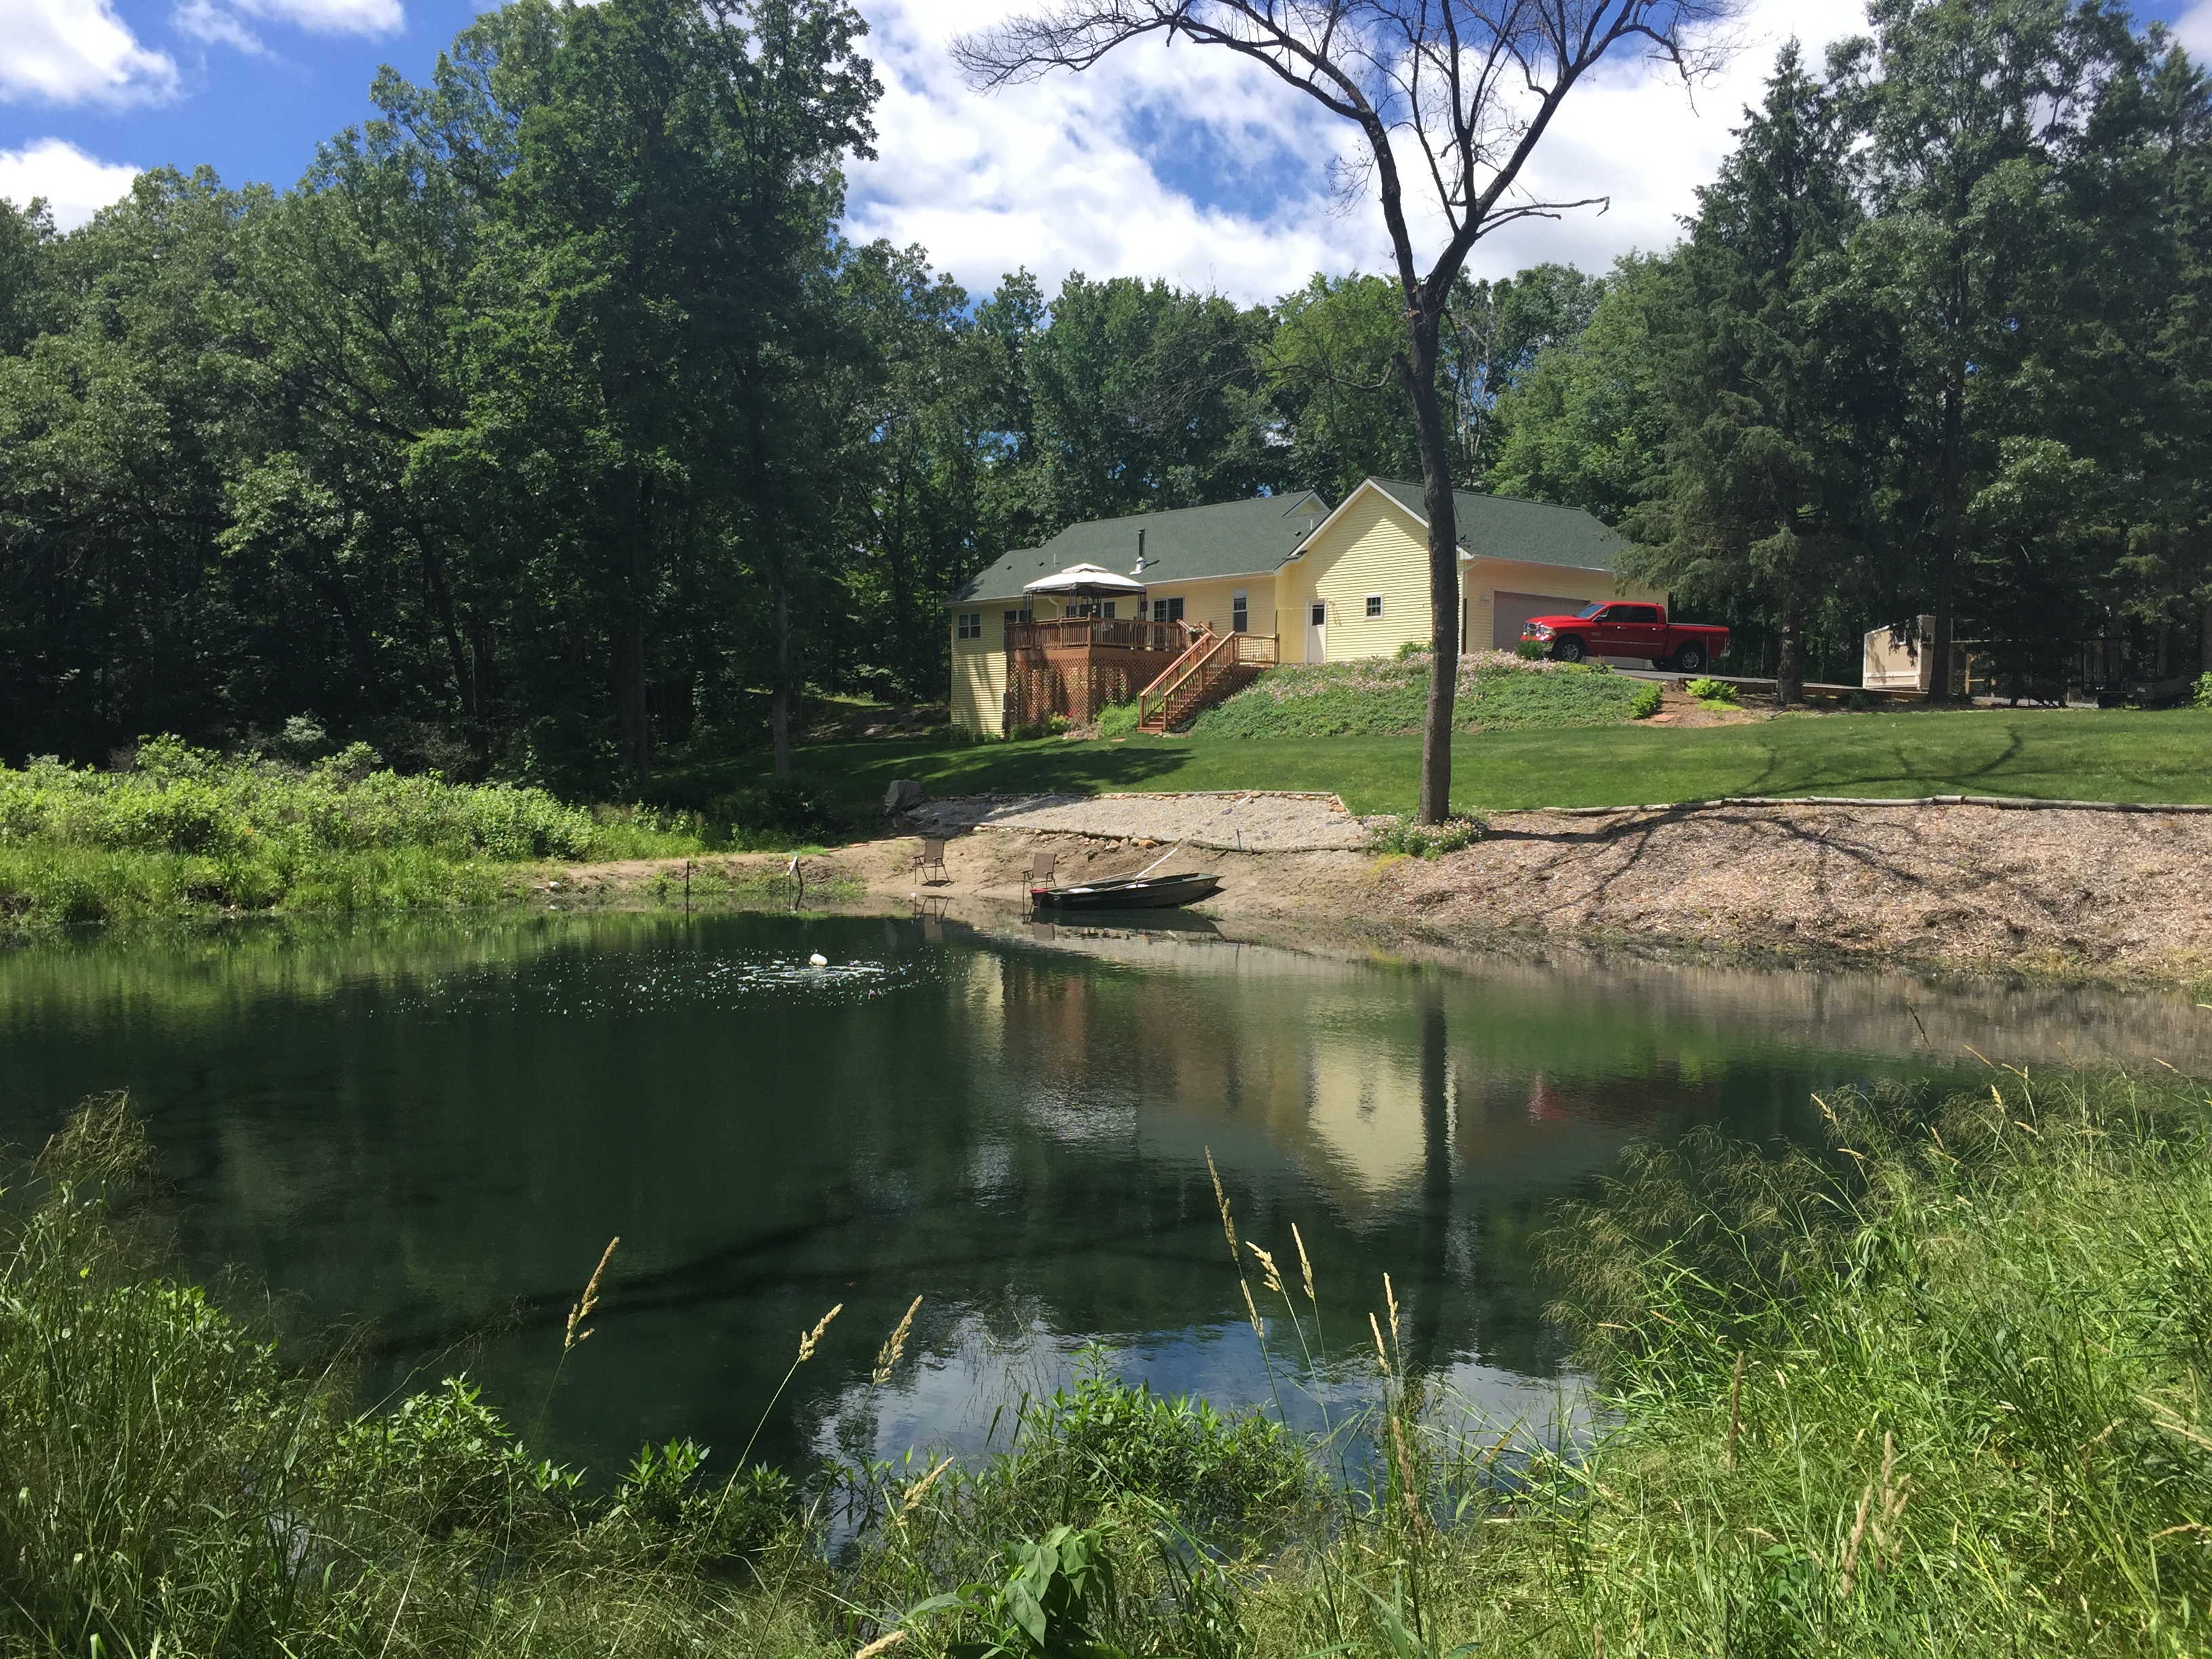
(1568, 649)
(1690, 658)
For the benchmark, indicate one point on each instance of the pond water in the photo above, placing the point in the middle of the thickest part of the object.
(430, 1129)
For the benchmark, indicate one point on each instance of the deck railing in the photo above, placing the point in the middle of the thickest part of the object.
(1116, 633)
(1187, 678)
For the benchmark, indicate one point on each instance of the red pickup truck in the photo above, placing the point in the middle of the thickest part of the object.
(1617, 628)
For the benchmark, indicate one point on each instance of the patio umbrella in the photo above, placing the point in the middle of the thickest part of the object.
(1086, 580)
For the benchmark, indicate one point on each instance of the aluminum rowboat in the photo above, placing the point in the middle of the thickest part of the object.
(1142, 893)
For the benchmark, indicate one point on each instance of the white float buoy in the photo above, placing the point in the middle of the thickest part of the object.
(818, 960)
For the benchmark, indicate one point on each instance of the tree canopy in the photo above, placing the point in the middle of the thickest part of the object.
(550, 422)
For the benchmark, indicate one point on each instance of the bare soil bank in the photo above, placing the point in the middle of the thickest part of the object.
(2111, 897)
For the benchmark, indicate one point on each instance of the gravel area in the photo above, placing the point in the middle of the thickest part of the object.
(1250, 820)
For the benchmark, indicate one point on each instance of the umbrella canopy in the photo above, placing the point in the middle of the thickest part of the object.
(1084, 578)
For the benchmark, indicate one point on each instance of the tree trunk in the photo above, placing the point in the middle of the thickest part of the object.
(2204, 639)
(632, 728)
(895, 566)
(1417, 371)
(779, 708)
(1939, 648)
(357, 640)
(1789, 668)
(441, 601)
(633, 721)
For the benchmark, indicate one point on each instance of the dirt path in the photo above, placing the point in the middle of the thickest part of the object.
(2119, 897)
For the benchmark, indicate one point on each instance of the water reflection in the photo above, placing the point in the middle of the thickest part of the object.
(434, 1129)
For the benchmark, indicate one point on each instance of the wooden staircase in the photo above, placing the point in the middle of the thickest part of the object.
(1215, 666)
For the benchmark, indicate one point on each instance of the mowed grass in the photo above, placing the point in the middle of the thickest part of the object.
(2083, 754)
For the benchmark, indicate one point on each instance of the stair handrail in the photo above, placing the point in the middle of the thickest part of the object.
(1202, 670)
(1164, 685)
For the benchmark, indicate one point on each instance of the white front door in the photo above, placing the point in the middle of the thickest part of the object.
(1317, 631)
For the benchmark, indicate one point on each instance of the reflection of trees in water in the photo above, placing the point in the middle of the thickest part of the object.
(1011, 1130)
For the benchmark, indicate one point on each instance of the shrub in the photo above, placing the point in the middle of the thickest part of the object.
(1428, 841)
(1117, 719)
(775, 815)
(1644, 703)
(2203, 693)
(1710, 691)
(182, 828)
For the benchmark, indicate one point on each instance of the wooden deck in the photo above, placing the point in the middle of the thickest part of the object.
(1110, 633)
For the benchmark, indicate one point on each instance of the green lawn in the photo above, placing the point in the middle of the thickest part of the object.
(2117, 755)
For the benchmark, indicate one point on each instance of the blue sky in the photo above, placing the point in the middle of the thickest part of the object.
(1113, 172)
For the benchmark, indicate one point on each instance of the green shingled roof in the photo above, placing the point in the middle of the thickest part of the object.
(1253, 537)
(1191, 544)
(1500, 527)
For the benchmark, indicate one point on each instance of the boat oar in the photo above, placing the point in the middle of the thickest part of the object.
(1156, 862)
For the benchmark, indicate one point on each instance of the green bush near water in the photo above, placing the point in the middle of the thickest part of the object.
(1499, 691)
(1938, 1388)
(184, 829)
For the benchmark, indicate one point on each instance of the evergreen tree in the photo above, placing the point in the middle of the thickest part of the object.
(1761, 491)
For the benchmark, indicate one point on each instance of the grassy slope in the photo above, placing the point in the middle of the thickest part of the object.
(2115, 756)
(1387, 697)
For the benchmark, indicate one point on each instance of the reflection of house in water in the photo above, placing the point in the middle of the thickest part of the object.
(1363, 1107)
(1291, 1064)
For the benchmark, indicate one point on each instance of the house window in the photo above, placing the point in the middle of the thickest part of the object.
(1107, 610)
(1239, 612)
(1374, 605)
(969, 625)
(1168, 610)
(1013, 616)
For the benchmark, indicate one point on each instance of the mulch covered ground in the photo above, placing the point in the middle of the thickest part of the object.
(2123, 894)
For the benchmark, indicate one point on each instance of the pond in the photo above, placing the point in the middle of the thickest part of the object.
(429, 1130)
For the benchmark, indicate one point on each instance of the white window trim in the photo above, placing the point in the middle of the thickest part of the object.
(1374, 608)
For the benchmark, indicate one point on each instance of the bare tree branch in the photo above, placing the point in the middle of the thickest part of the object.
(1472, 86)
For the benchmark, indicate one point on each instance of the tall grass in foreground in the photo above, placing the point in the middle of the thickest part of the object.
(1944, 1393)
(1937, 1389)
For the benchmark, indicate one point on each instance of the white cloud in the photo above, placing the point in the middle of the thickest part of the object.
(70, 51)
(205, 21)
(1075, 172)
(2193, 28)
(76, 185)
(332, 16)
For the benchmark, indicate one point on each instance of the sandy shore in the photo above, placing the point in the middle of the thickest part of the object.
(2112, 897)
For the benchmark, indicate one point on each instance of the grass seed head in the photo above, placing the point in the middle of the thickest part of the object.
(1273, 1279)
(1381, 1354)
(1228, 1223)
(1258, 1330)
(582, 1311)
(812, 1340)
(1304, 1266)
(894, 1348)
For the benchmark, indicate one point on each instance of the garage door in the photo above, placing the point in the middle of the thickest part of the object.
(1508, 611)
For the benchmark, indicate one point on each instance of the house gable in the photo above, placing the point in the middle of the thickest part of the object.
(1526, 533)
(1367, 566)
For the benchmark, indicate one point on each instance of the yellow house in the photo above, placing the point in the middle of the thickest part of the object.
(1322, 586)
